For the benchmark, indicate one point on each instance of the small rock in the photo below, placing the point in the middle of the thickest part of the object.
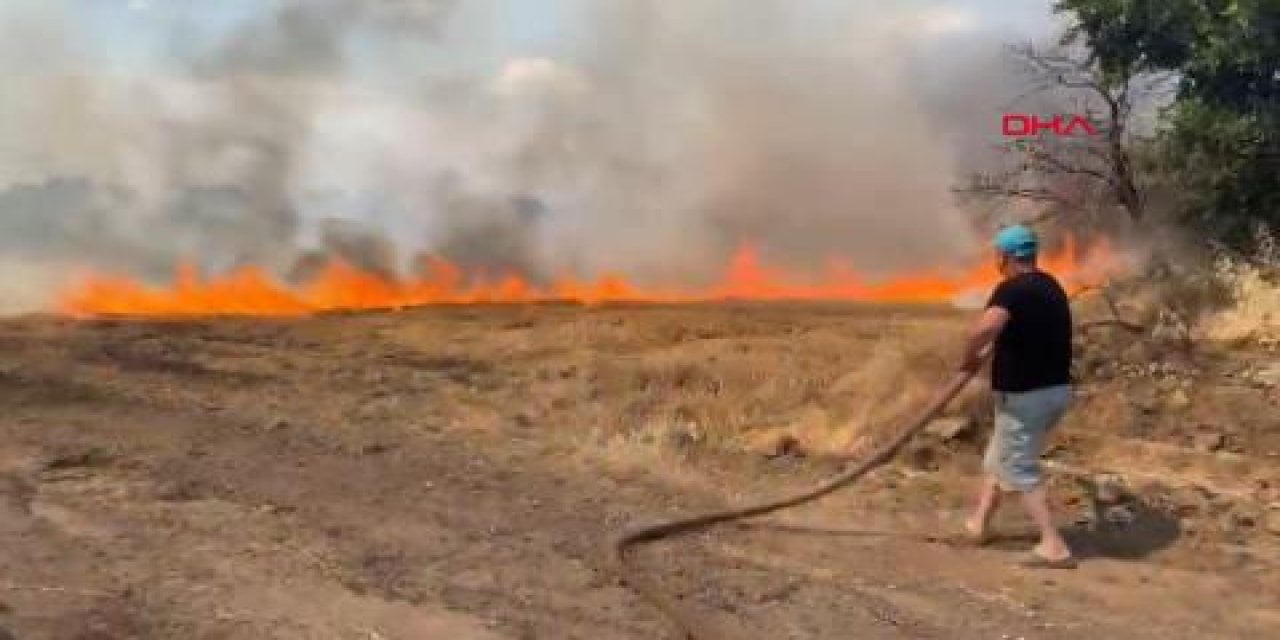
(1268, 376)
(1109, 489)
(950, 428)
(1271, 522)
(1178, 400)
(1119, 515)
(1188, 525)
(181, 491)
(1085, 518)
(376, 448)
(1210, 441)
(1244, 519)
(778, 594)
(785, 445)
(1220, 503)
(1188, 507)
(79, 458)
(1136, 353)
(1145, 402)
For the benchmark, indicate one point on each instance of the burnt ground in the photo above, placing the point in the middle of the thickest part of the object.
(455, 473)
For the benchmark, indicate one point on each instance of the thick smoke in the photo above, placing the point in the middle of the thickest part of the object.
(656, 139)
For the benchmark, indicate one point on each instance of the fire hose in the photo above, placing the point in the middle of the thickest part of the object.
(695, 628)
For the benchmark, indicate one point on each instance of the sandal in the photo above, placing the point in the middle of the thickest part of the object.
(1036, 561)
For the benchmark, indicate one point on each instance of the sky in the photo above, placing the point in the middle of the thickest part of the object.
(138, 35)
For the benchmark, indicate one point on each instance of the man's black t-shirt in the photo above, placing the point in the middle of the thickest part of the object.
(1034, 349)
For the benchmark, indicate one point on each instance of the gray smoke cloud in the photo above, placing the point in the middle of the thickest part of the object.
(662, 136)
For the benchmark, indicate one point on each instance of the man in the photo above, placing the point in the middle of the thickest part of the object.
(1028, 318)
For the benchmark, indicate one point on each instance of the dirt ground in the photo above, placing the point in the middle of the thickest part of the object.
(455, 473)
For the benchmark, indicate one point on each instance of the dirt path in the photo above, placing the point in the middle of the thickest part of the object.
(385, 477)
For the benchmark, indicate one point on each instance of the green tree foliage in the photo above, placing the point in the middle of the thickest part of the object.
(1221, 139)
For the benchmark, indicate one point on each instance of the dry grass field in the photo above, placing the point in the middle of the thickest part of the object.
(455, 472)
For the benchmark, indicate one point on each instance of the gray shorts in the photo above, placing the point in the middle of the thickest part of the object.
(1023, 420)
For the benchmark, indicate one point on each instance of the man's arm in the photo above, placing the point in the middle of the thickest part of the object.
(989, 326)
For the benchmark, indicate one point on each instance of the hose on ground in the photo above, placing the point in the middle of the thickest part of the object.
(694, 627)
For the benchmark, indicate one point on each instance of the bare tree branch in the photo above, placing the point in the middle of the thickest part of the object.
(1058, 165)
(1060, 70)
(1038, 194)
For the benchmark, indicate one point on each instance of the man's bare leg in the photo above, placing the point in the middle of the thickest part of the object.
(1052, 546)
(989, 497)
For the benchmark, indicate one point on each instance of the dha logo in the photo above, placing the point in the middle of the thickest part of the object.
(1020, 125)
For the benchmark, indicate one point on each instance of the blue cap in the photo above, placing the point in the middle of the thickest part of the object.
(1017, 241)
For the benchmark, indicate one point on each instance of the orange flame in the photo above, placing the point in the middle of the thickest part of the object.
(252, 291)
